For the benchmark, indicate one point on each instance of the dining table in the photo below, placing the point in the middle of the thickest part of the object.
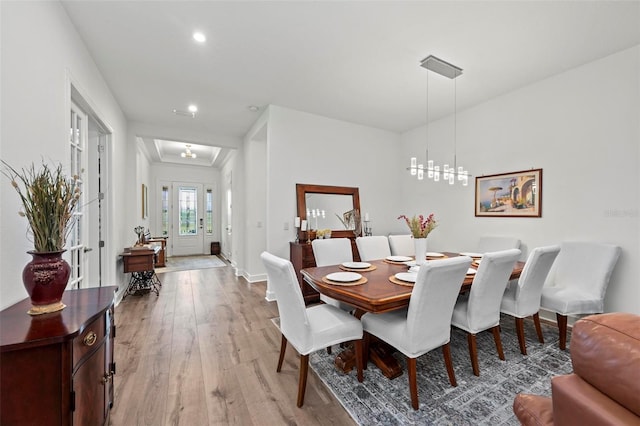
(378, 290)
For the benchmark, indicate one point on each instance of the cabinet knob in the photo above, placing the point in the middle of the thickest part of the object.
(106, 378)
(90, 338)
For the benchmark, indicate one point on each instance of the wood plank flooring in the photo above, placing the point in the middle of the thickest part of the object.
(204, 352)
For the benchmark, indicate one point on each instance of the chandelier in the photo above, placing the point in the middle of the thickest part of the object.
(187, 152)
(433, 171)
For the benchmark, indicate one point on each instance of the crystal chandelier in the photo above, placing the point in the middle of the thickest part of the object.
(433, 171)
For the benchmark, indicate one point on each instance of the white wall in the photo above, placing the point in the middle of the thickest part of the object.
(41, 55)
(582, 128)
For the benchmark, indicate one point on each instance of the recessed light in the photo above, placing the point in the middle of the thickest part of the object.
(193, 109)
(199, 37)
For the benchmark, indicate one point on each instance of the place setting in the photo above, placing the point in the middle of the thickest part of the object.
(344, 278)
(398, 260)
(357, 266)
(404, 278)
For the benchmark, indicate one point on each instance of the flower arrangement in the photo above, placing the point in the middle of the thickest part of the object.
(419, 226)
(49, 200)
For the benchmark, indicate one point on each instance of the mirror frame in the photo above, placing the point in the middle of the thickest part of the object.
(303, 189)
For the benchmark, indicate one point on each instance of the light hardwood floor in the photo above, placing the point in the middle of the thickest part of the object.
(204, 352)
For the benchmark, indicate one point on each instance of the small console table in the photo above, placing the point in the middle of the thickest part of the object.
(139, 262)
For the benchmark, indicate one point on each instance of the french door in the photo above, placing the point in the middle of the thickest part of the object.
(75, 254)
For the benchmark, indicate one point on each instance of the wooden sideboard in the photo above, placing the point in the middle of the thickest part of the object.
(301, 255)
(57, 368)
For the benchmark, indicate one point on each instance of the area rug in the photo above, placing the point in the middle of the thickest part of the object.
(185, 263)
(485, 400)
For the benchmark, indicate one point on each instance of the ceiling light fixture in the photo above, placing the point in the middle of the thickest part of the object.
(187, 152)
(199, 37)
(253, 108)
(449, 174)
(190, 113)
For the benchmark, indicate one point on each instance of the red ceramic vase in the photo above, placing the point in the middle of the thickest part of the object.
(45, 277)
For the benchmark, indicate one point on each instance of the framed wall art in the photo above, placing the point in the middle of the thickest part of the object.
(516, 194)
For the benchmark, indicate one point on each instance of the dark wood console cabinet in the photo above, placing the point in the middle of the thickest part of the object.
(301, 255)
(57, 369)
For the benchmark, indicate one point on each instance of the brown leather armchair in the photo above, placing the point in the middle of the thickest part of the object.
(604, 388)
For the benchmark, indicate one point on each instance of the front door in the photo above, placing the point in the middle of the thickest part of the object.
(188, 219)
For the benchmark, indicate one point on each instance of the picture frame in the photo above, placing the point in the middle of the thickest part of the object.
(515, 194)
(145, 201)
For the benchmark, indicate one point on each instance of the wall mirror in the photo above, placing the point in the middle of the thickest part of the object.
(322, 207)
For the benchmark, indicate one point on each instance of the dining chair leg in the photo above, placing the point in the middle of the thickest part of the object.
(520, 333)
(473, 353)
(413, 383)
(359, 360)
(329, 350)
(283, 349)
(496, 338)
(302, 382)
(446, 351)
(536, 322)
(365, 349)
(562, 329)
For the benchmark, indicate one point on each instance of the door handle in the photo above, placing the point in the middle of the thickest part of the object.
(87, 249)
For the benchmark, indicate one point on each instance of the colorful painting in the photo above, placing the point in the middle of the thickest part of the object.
(517, 194)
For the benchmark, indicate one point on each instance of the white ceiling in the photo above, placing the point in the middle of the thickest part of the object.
(351, 60)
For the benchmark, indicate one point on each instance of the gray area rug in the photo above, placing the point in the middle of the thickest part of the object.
(484, 400)
(185, 263)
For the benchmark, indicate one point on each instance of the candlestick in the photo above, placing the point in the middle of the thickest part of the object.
(297, 222)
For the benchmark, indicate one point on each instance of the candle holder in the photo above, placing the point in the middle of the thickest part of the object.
(297, 234)
(368, 231)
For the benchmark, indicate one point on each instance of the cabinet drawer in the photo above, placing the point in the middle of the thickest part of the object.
(90, 338)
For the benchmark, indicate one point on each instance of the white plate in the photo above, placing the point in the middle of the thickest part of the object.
(434, 254)
(356, 265)
(398, 258)
(471, 271)
(406, 276)
(471, 254)
(344, 277)
(414, 269)
(411, 263)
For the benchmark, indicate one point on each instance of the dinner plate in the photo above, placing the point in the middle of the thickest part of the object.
(356, 265)
(406, 276)
(414, 269)
(411, 263)
(434, 254)
(471, 254)
(344, 277)
(471, 271)
(398, 258)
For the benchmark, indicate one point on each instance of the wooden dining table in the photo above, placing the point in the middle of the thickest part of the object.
(378, 291)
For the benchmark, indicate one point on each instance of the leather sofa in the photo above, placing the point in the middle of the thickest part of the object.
(604, 388)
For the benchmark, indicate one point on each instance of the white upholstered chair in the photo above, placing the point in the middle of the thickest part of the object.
(332, 251)
(480, 310)
(402, 245)
(308, 329)
(426, 323)
(522, 298)
(578, 281)
(373, 247)
(490, 243)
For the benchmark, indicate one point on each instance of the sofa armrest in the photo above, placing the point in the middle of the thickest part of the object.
(576, 402)
(533, 410)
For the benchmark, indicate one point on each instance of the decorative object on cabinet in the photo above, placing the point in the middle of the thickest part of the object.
(516, 194)
(58, 369)
(334, 200)
(49, 202)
